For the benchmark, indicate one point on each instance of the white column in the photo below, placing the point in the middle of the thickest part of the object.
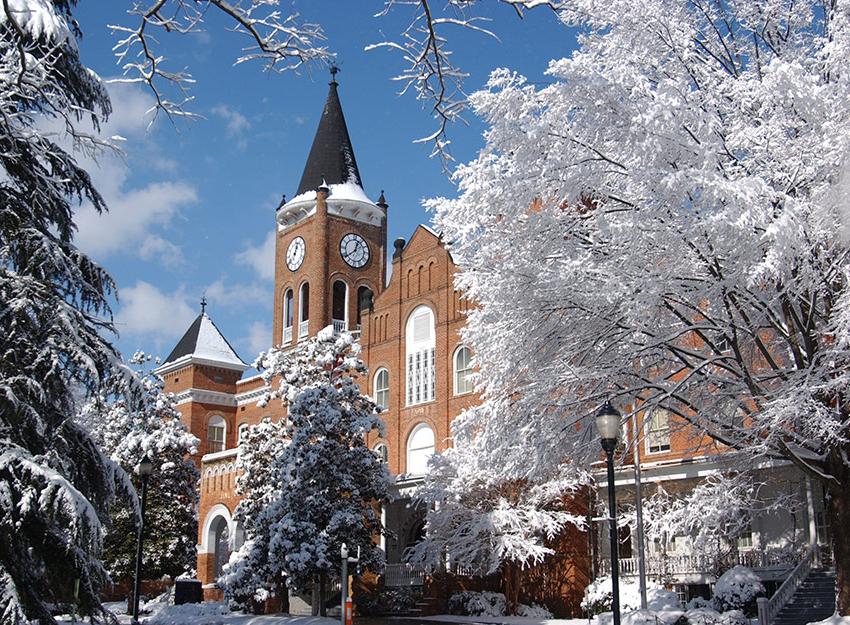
(383, 542)
(813, 524)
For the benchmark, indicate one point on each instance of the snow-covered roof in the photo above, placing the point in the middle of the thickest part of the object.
(204, 342)
(346, 199)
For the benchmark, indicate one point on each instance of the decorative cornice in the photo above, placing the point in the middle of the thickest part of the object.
(204, 396)
(220, 455)
(189, 359)
(247, 397)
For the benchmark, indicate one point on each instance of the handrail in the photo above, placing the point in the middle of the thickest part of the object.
(769, 608)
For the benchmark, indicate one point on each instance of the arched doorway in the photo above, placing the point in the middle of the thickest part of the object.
(220, 542)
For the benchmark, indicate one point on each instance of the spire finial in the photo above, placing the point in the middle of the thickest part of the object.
(334, 71)
(203, 304)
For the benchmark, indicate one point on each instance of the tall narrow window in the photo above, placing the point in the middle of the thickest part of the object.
(382, 389)
(304, 314)
(242, 432)
(420, 447)
(381, 451)
(364, 302)
(658, 432)
(221, 546)
(288, 315)
(745, 539)
(420, 349)
(463, 368)
(340, 306)
(216, 432)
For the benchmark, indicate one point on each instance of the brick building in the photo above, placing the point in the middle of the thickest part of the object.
(331, 269)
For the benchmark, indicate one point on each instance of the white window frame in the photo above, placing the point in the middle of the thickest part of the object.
(419, 450)
(420, 361)
(745, 540)
(654, 445)
(219, 423)
(242, 432)
(386, 389)
(382, 451)
(467, 371)
(288, 314)
(303, 321)
(340, 327)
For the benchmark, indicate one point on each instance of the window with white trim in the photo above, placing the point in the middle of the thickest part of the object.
(420, 349)
(216, 432)
(658, 431)
(463, 369)
(288, 315)
(745, 539)
(382, 389)
(381, 451)
(420, 447)
(242, 433)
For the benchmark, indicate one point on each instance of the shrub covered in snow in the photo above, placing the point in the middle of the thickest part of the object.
(708, 616)
(533, 611)
(598, 596)
(386, 601)
(471, 603)
(737, 589)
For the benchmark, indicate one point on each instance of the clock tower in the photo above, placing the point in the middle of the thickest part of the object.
(331, 238)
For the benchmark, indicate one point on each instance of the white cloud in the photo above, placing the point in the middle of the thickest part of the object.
(236, 122)
(235, 295)
(145, 310)
(261, 257)
(259, 338)
(168, 254)
(134, 213)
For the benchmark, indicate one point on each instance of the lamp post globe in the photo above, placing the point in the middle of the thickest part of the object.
(608, 423)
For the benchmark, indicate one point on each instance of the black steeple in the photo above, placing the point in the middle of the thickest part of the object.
(331, 157)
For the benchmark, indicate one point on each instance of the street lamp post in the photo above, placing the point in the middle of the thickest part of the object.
(608, 424)
(145, 469)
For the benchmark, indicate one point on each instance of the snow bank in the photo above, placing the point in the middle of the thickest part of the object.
(598, 597)
(737, 588)
(835, 619)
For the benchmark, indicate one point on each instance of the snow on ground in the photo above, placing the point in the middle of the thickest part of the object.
(505, 620)
(214, 613)
(833, 620)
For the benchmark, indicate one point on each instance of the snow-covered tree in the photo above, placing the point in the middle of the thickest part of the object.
(665, 225)
(714, 514)
(326, 481)
(127, 433)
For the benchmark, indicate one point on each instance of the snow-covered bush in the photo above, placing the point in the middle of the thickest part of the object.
(698, 603)
(709, 616)
(386, 601)
(533, 611)
(737, 589)
(471, 603)
(598, 596)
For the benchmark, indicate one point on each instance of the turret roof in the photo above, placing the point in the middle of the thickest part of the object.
(331, 160)
(204, 341)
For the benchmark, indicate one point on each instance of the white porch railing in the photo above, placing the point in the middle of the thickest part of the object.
(684, 564)
(287, 335)
(769, 608)
(303, 328)
(397, 575)
(339, 325)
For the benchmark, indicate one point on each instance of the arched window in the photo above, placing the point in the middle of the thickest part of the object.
(220, 539)
(364, 302)
(340, 306)
(420, 447)
(242, 432)
(463, 367)
(381, 451)
(216, 432)
(288, 315)
(382, 389)
(304, 314)
(420, 348)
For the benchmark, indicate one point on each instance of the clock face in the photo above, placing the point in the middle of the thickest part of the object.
(295, 253)
(354, 250)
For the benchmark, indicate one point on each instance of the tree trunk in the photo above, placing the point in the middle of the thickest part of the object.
(510, 581)
(839, 521)
(323, 610)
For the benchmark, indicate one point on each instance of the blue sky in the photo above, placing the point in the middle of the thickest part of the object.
(192, 203)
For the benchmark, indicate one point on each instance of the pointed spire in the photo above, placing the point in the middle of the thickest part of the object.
(331, 158)
(204, 341)
(382, 201)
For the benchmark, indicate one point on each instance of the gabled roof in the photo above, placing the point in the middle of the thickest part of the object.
(204, 341)
(331, 160)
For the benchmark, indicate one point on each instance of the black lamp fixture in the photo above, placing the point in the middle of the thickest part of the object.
(608, 424)
(144, 469)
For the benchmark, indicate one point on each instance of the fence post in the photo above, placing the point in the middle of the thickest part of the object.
(762, 603)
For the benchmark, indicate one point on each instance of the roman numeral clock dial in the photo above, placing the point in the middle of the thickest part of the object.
(295, 253)
(354, 250)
